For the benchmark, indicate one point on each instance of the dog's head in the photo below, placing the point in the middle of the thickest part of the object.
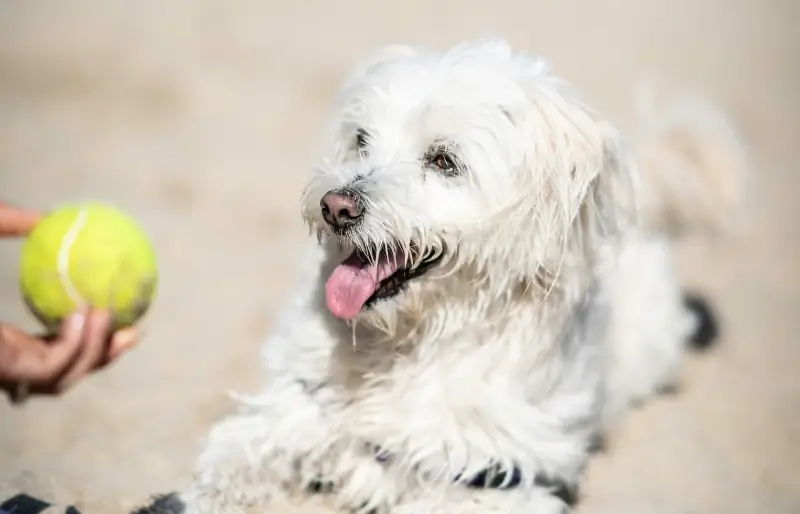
(470, 169)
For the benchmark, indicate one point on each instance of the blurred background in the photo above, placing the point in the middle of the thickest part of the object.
(202, 118)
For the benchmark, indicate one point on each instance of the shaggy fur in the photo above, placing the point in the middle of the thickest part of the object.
(553, 306)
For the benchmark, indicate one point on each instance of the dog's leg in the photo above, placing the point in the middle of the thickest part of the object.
(282, 439)
(650, 325)
(278, 443)
(260, 454)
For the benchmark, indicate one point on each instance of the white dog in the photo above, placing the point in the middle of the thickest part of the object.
(492, 288)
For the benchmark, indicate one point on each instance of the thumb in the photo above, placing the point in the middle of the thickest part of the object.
(122, 341)
(17, 222)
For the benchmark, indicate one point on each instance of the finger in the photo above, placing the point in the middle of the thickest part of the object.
(24, 358)
(17, 222)
(122, 341)
(18, 354)
(94, 345)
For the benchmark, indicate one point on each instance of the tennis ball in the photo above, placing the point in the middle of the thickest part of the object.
(88, 255)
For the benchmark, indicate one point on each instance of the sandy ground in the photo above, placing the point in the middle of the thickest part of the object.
(202, 119)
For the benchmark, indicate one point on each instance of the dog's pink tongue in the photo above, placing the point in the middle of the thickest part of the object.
(354, 281)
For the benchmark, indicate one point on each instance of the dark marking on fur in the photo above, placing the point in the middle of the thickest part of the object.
(668, 389)
(707, 329)
(362, 142)
(497, 478)
(561, 489)
(163, 504)
(597, 443)
(320, 487)
(308, 387)
(381, 455)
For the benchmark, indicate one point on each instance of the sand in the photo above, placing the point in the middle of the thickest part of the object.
(203, 120)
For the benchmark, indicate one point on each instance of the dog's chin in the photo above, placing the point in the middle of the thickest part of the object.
(367, 283)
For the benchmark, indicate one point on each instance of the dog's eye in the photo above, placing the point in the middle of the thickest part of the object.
(443, 162)
(362, 141)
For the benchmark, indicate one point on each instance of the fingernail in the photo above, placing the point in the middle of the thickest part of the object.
(126, 340)
(76, 322)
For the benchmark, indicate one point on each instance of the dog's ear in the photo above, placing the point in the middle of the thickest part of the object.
(575, 167)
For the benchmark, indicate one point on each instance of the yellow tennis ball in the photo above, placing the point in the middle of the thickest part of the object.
(88, 255)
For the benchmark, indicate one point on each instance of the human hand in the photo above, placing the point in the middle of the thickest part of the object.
(49, 366)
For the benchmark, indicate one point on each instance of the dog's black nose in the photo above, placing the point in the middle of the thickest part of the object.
(342, 208)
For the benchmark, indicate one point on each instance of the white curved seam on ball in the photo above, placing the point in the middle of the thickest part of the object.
(63, 256)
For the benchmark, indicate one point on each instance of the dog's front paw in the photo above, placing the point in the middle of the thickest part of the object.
(195, 501)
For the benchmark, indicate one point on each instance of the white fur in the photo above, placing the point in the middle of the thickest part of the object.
(553, 309)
